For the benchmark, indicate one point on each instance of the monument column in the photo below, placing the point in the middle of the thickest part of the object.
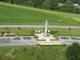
(46, 28)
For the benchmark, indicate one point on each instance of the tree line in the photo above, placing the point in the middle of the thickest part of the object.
(70, 6)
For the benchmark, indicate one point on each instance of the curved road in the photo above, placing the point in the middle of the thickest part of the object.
(39, 26)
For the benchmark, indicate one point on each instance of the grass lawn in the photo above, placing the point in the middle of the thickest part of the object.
(30, 31)
(21, 32)
(34, 53)
(66, 32)
(14, 14)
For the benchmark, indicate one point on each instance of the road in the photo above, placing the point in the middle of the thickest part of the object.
(9, 41)
(39, 26)
(69, 40)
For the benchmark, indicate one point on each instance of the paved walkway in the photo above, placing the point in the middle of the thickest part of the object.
(57, 42)
(39, 26)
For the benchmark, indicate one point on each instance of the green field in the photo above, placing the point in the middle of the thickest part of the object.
(14, 14)
(33, 53)
(31, 31)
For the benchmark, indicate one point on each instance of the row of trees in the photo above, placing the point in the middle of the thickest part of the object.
(65, 6)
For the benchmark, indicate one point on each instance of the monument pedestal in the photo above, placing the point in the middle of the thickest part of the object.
(44, 36)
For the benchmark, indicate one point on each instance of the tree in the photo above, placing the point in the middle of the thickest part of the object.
(62, 1)
(73, 52)
(51, 4)
(78, 2)
(69, 28)
(69, 6)
(1, 0)
(19, 28)
(37, 3)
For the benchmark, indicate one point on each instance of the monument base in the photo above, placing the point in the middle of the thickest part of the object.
(42, 37)
(45, 36)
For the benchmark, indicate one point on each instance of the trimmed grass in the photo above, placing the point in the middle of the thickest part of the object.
(14, 14)
(36, 52)
(66, 32)
(30, 31)
(21, 32)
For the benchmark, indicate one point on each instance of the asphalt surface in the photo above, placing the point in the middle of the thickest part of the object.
(39, 26)
(9, 41)
(68, 40)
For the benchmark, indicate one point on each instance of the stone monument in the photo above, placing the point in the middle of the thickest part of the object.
(45, 35)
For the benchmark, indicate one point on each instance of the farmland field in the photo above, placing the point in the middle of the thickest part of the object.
(14, 14)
